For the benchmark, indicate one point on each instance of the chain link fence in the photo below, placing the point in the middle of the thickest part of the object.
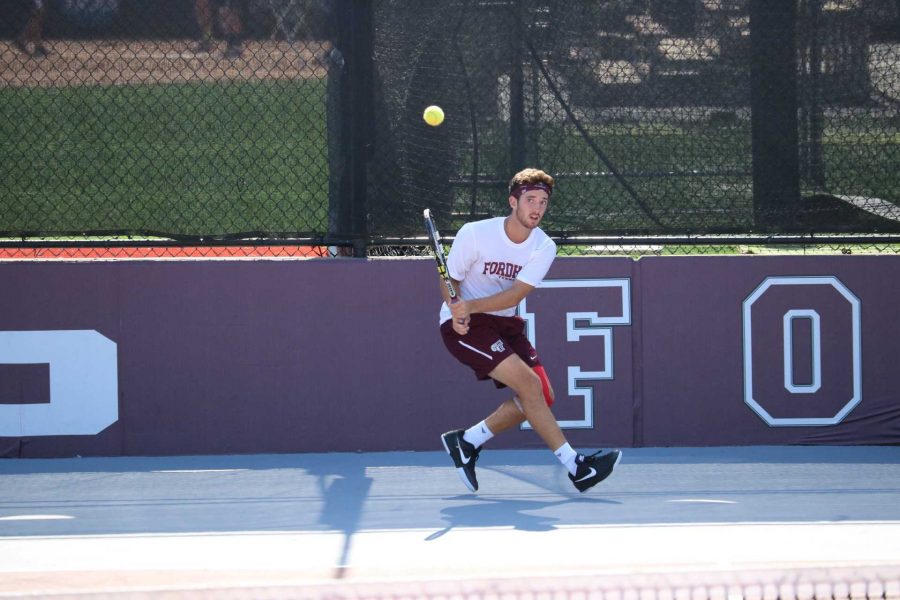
(249, 127)
(159, 122)
(675, 125)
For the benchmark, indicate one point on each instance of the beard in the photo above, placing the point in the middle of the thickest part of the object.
(524, 217)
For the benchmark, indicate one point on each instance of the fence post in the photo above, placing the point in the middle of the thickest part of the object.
(812, 120)
(355, 41)
(773, 104)
(518, 155)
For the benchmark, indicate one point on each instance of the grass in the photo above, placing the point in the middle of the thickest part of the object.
(192, 158)
(688, 176)
(214, 158)
(707, 184)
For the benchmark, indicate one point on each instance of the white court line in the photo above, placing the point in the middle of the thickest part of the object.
(701, 501)
(199, 470)
(471, 552)
(35, 517)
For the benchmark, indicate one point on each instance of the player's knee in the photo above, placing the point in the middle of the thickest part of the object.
(538, 388)
(531, 391)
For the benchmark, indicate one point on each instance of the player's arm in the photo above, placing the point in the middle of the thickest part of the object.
(533, 271)
(506, 299)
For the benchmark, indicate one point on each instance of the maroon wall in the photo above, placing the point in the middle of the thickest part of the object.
(344, 355)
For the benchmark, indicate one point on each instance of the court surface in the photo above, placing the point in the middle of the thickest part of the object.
(671, 523)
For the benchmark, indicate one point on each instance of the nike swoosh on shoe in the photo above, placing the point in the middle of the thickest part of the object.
(462, 456)
(588, 476)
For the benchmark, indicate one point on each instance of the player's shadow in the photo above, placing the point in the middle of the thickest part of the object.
(344, 489)
(503, 512)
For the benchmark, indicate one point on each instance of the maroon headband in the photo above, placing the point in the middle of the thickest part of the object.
(520, 189)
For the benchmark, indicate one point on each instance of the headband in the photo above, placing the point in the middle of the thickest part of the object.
(520, 189)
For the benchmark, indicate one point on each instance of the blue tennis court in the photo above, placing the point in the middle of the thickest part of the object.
(729, 521)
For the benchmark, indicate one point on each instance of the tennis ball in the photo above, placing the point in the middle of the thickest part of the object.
(433, 115)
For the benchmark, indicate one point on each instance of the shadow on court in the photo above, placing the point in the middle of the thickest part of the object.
(503, 512)
(523, 489)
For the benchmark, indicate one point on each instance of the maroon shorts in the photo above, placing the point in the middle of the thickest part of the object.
(489, 341)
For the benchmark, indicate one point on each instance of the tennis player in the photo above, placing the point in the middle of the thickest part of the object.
(229, 17)
(494, 264)
(33, 33)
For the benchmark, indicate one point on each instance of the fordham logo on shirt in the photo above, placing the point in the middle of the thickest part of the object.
(503, 270)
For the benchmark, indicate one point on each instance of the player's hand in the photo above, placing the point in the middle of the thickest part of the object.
(461, 318)
(460, 311)
(461, 327)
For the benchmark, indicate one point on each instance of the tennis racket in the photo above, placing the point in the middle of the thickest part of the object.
(438, 252)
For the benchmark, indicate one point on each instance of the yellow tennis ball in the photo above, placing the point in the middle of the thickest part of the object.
(433, 115)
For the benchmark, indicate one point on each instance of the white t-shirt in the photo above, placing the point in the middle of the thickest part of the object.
(485, 261)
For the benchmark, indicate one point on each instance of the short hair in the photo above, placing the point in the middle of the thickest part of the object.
(530, 176)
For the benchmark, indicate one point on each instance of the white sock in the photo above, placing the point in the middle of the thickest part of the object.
(566, 456)
(478, 434)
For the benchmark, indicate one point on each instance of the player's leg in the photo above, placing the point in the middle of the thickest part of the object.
(204, 12)
(479, 351)
(233, 27)
(496, 348)
(507, 416)
(33, 32)
(530, 385)
(463, 444)
(511, 414)
(526, 383)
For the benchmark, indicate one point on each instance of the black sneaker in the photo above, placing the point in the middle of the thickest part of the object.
(591, 470)
(464, 456)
